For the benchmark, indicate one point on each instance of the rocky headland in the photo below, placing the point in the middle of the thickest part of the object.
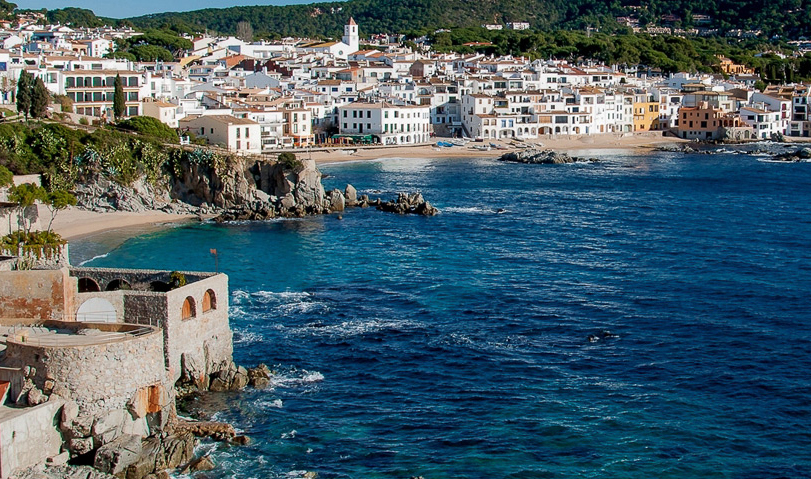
(543, 157)
(244, 189)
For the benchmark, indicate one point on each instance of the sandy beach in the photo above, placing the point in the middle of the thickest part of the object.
(563, 143)
(75, 224)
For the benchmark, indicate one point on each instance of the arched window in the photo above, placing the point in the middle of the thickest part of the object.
(117, 284)
(88, 285)
(209, 301)
(189, 309)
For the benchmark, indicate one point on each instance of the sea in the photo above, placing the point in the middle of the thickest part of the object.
(644, 316)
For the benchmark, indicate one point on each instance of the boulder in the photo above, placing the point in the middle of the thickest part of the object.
(117, 455)
(204, 463)
(107, 427)
(351, 195)
(406, 203)
(80, 445)
(337, 202)
(70, 411)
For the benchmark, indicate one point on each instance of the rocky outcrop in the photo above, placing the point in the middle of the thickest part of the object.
(101, 194)
(61, 472)
(406, 203)
(542, 157)
(219, 431)
(802, 154)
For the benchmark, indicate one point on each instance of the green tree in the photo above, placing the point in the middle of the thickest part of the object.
(57, 201)
(288, 161)
(25, 195)
(6, 177)
(148, 126)
(118, 97)
(24, 84)
(39, 99)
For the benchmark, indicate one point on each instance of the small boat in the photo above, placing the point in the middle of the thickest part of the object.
(444, 144)
(459, 142)
(481, 147)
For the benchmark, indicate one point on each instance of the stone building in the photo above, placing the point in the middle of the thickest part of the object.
(105, 348)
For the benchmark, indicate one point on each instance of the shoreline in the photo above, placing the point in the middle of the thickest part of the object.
(563, 144)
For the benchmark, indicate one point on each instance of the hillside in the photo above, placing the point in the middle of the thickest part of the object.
(791, 18)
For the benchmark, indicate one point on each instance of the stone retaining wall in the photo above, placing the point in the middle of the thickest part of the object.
(98, 377)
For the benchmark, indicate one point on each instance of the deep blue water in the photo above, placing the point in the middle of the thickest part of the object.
(456, 346)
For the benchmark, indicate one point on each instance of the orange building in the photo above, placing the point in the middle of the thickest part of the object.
(646, 113)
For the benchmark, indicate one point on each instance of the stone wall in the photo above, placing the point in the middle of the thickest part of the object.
(116, 298)
(98, 377)
(204, 341)
(138, 279)
(29, 436)
(39, 295)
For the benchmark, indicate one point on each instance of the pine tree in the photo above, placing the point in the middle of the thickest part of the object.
(118, 98)
(24, 93)
(39, 99)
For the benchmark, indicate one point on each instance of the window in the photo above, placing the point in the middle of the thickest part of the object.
(344, 113)
(239, 145)
(209, 301)
(247, 132)
(212, 131)
(368, 113)
(132, 81)
(189, 309)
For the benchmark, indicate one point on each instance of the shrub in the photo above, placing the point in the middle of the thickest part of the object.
(289, 162)
(177, 279)
(83, 121)
(148, 126)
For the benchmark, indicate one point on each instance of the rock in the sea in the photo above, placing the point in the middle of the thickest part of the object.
(204, 463)
(545, 157)
(337, 202)
(220, 431)
(351, 195)
(406, 203)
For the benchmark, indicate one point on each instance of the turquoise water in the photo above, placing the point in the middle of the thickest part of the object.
(456, 346)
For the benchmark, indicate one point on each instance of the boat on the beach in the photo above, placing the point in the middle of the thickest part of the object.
(481, 147)
(459, 141)
(444, 144)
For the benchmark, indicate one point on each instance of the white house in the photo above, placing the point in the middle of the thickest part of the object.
(764, 122)
(239, 135)
(392, 124)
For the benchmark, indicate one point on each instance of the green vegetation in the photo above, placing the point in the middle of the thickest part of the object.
(778, 17)
(66, 156)
(24, 84)
(31, 239)
(6, 9)
(6, 177)
(24, 196)
(57, 201)
(289, 162)
(119, 103)
(165, 45)
(75, 17)
(177, 279)
(148, 126)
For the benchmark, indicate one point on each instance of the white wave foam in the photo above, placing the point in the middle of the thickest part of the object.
(289, 435)
(98, 256)
(246, 337)
(269, 404)
(478, 210)
(346, 329)
(294, 377)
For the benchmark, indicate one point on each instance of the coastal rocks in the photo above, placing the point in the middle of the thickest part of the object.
(101, 194)
(544, 157)
(259, 377)
(230, 378)
(61, 472)
(406, 203)
(159, 453)
(219, 431)
(337, 201)
(802, 154)
(351, 195)
(116, 456)
(204, 463)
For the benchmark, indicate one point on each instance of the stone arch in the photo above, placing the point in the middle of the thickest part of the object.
(117, 284)
(189, 308)
(88, 285)
(160, 286)
(209, 300)
(96, 310)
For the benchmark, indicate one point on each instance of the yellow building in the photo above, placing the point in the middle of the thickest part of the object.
(731, 68)
(646, 113)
